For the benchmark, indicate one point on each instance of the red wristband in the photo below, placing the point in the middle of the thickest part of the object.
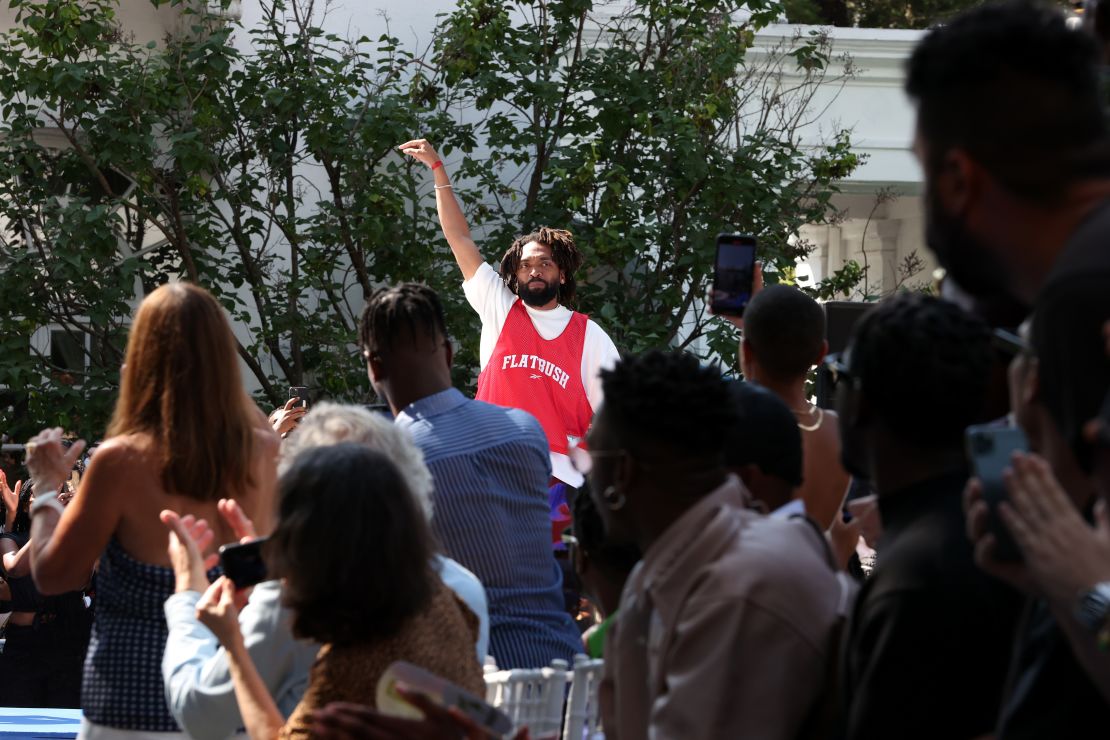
(438, 163)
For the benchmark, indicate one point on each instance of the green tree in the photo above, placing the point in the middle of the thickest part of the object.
(265, 176)
(874, 13)
(268, 175)
(650, 131)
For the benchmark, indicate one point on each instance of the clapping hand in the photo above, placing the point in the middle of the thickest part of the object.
(49, 463)
(237, 519)
(10, 497)
(189, 537)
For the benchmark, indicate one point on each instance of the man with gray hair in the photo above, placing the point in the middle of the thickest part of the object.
(199, 690)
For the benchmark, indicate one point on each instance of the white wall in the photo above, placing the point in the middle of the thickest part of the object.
(873, 230)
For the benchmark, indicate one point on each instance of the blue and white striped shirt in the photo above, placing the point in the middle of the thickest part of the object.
(491, 469)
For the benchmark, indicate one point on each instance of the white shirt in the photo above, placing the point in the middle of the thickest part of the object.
(492, 299)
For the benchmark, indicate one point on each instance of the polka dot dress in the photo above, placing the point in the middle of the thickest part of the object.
(122, 685)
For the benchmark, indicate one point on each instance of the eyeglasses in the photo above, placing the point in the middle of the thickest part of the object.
(583, 459)
(838, 370)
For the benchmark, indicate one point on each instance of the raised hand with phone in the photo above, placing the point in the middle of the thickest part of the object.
(285, 419)
(734, 275)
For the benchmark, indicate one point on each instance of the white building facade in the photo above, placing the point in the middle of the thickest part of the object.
(880, 208)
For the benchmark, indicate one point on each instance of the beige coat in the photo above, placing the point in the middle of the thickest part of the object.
(725, 629)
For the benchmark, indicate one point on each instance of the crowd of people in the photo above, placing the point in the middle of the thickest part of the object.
(713, 525)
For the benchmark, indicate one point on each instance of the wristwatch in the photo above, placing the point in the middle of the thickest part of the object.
(1093, 612)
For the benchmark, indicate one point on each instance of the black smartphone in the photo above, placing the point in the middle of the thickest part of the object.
(990, 449)
(245, 564)
(300, 392)
(733, 273)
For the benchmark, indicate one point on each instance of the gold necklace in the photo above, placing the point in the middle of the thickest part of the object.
(811, 410)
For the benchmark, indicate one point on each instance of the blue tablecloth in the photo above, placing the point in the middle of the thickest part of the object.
(31, 723)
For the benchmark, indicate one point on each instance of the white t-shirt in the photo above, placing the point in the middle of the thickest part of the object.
(492, 299)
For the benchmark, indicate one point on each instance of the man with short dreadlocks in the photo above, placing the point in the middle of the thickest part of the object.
(536, 353)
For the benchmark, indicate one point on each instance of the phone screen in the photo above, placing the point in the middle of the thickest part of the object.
(733, 272)
(244, 564)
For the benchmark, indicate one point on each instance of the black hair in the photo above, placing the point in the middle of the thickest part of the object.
(409, 308)
(353, 546)
(766, 434)
(1011, 84)
(785, 330)
(618, 558)
(564, 252)
(922, 364)
(668, 399)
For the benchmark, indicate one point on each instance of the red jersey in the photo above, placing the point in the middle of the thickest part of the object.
(540, 376)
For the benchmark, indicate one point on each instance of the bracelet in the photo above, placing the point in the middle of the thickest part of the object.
(437, 164)
(442, 187)
(47, 501)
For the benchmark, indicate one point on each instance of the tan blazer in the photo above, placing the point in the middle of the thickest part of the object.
(725, 629)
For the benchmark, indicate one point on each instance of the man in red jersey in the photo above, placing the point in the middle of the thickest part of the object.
(536, 354)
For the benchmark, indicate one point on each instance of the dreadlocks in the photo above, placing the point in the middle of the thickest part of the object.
(563, 251)
(407, 307)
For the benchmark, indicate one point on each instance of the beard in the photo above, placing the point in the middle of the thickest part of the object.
(970, 262)
(537, 293)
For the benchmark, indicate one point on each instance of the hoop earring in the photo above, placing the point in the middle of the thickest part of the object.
(613, 498)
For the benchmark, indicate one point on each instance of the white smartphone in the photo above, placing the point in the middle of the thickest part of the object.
(439, 690)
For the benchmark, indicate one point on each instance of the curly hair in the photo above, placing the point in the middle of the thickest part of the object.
(923, 364)
(668, 399)
(564, 252)
(352, 544)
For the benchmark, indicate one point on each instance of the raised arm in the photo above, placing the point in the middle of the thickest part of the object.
(217, 611)
(65, 546)
(451, 218)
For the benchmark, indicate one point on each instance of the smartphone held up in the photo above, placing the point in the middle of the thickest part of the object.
(733, 274)
(299, 392)
(990, 450)
(245, 564)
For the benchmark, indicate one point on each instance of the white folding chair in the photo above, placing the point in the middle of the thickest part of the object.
(532, 697)
(583, 718)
